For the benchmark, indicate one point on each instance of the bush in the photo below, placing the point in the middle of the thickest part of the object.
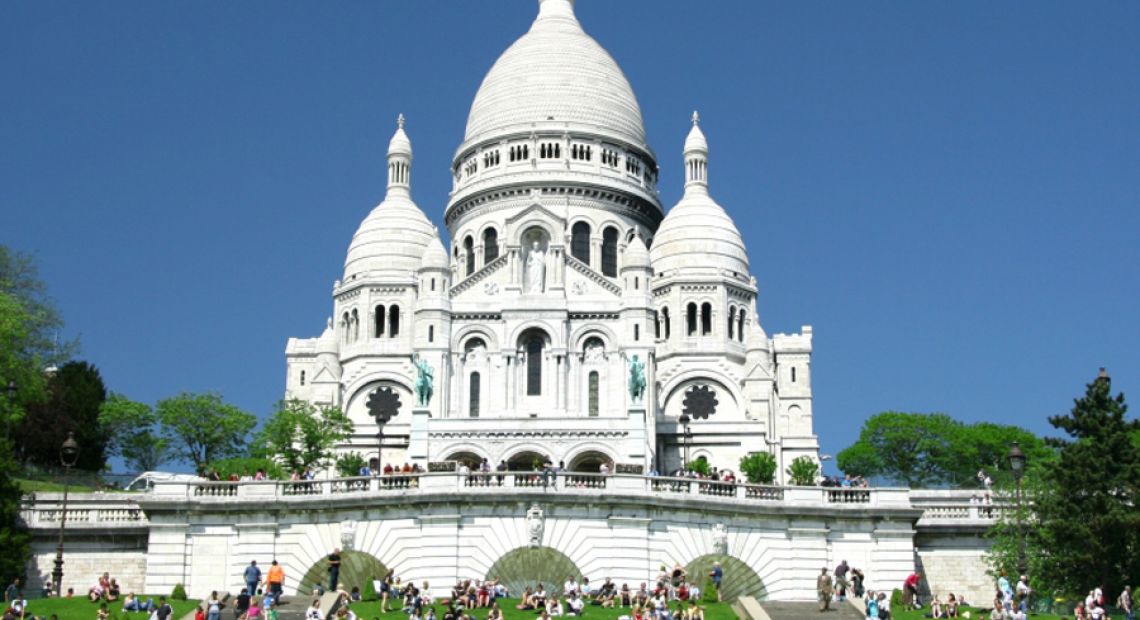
(368, 592)
(759, 468)
(701, 466)
(247, 466)
(179, 593)
(802, 471)
(348, 465)
(897, 601)
(708, 594)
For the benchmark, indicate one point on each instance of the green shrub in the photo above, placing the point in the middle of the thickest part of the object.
(759, 468)
(708, 594)
(368, 592)
(247, 466)
(348, 465)
(802, 471)
(179, 593)
(897, 601)
(701, 466)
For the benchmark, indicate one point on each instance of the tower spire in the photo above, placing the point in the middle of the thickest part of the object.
(696, 158)
(399, 159)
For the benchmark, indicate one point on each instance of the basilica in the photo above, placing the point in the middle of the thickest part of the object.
(568, 316)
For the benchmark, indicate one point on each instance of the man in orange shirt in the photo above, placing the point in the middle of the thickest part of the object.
(275, 579)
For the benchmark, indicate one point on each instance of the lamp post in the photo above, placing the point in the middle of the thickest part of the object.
(684, 420)
(68, 455)
(1017, 465)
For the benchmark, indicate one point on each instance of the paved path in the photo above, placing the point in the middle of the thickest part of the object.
(800, 611)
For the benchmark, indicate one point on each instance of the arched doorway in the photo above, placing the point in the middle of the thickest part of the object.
(356, 568)
(468, 458)
(527, 460)
(739, 578)
(531, 566)
(590, 462)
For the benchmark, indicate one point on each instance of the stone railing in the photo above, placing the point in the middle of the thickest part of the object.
(955, 507)
(508, 482)
(84, 510)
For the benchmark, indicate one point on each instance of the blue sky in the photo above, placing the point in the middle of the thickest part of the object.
(948, 192)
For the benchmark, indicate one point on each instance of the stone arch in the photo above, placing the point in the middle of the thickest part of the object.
(581, 334)
(529, 566)
(460, 337)
(677, 384)
(739, 578)
(588, 459)
(515, 339)
(356, 567)
(522, 458)
(470, 458)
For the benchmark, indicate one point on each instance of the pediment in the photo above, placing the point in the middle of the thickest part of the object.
(536, 215)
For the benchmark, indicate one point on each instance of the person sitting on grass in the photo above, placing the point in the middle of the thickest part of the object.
(998, 612)
(95, 593)
(104, 613)
(524, 600)
(130, 603)
(635, 613)
(554, 607)
(496, 613)
(936, 610)
(951, 606)
(575, 605)
(694, 612)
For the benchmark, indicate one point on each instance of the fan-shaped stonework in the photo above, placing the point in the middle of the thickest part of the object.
(521, 568)
(739, 580)
(356, 569)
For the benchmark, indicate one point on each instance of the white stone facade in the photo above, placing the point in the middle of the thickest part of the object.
(533, 360)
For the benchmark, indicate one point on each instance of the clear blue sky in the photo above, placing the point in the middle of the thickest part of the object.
(948, 192)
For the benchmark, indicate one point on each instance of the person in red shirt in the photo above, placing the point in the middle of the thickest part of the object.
(910, 588)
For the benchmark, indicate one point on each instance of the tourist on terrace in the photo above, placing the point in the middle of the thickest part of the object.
(252, 577)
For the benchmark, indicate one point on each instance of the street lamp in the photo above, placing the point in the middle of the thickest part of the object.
(1017, 465)
(68, 455)
(684, 420)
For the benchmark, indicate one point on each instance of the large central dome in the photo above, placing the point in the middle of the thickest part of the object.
(556, 74)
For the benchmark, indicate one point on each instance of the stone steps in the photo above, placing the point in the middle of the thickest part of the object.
(788, 610)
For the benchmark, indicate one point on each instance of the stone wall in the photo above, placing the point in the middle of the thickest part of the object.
(955, 563)
(86, 558)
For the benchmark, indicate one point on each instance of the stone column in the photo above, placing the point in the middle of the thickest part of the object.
(418, 448)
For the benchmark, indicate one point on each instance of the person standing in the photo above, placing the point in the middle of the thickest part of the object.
(823, 588)
(910, 587)
(717, 575)
(275, 581)
(12, 593)
(841, 579)
(1023, 592)
(1125, 603)
(252, 577)
(334, 569)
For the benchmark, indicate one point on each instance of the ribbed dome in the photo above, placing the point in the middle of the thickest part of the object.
(435, 256)
(636, 255)
(697, 236)
(556, 74)
(392, 239)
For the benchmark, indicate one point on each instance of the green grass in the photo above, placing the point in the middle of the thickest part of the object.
(369, 610)
(31, 486)
(975, 614)
(83, 609)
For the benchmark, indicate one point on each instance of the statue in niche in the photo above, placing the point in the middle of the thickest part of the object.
(424, 376)
(534, 526)
(347, 534)
(595, 352)
(720, 539)
(535, 269)
(636, 379)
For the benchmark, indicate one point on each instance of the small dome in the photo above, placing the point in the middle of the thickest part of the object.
(400, 144)
(327, 343)
(435, 256)
(697, 236)
(636, 254)
(556, 74)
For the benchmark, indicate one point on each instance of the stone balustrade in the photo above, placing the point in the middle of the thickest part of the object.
(941, 508)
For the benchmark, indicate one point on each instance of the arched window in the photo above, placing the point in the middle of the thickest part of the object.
(355, 325)
(593, 399)
(346, 323)
(473, 395)
(469, 248)
(636, 332)
(657, 325)
(665, 320)
(691, 320)
(731, 320)
(534, 365)
(378, 322)
(706, 319)
(302, 378)
(580, 242)
(490, 245)
(793, 374)
(431, 333)
(394, 321)
(740, 325)
(609, 252)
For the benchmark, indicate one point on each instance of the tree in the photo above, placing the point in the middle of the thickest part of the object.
(932, 449)
(14, 538)
(802, 471)
(1086, 515)
(759, 468)
(349, 465)
(201, 428)
(131, 430)
(74, 394)
(301, 435)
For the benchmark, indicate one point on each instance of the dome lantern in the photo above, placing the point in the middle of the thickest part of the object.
(696, 157)
(400, 159)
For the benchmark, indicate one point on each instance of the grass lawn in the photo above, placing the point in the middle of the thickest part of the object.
(31, 486)
(975, 614)
(82, 609)
(367, 611)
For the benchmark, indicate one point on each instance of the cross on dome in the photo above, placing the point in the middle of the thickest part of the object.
(400, 120)
(696, 118)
